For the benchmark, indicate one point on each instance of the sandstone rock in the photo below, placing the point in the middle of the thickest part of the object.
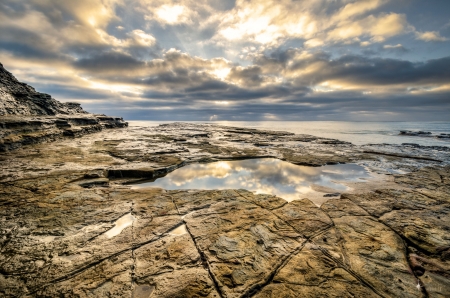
(241, 254)
(305, 217)
(58, 238)
(171, 267)
(312, 274)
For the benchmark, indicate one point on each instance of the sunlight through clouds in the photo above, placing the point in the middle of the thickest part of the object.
(174, 14)
(241, 60)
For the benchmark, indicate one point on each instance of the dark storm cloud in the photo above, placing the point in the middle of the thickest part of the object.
(233, 93)
(109, 61)
(388, 71)
(208, 86)
(249, 76)
(74, 92)
(191, 86)
(359, 69)
(29, 45)
(357, 109)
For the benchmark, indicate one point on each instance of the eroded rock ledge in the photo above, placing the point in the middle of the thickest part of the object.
(16, 132)
(60, 204)
(30, 117)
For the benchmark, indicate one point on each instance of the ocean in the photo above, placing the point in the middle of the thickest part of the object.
(358, 133)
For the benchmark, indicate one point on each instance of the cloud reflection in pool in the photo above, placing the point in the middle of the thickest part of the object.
(268, 175)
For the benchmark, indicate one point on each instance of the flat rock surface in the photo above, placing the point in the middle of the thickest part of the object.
(71, 226)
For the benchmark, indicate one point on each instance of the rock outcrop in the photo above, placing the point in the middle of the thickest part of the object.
(424, 134)
(29, 117)
(21, 99)
(70, 226)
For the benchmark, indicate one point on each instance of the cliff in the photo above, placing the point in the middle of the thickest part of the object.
(18, 98)
(29, 117)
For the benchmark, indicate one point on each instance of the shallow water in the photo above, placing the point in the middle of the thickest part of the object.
(181, 230)
(265, 175)
(122, 223)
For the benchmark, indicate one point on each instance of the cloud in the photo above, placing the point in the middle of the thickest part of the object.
(173, 14)
(430, 36)
(273, 22)
(399, 48)
(268, 22)
(241, 60)
(109, 61)
(377, 28)
(353, 9)
(140, 38)
(246, 76)
(314, 42)
(308, 83)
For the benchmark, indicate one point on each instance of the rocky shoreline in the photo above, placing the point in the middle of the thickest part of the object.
(30, 117)
(72, 226)
(58, 202)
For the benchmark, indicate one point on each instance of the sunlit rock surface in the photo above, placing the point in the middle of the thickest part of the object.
(71, 225)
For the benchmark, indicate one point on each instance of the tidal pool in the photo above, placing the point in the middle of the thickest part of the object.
(266, 175)
(122, 223)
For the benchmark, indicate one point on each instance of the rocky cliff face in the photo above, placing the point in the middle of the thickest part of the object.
(29, 117)
(21, 99)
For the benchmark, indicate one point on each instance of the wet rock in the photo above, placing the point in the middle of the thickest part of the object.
(94, 182)
(443, 136)
(415, 133)
(424, 134)
(331, 195)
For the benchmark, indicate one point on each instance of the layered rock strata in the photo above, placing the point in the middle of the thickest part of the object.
(19, 98)
(29, 117)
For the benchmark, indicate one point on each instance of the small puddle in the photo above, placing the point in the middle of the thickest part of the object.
(45, 239)
(266, 175)
(181, 230)
(122, 223)
(143, 291)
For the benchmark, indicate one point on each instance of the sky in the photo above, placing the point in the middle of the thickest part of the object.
(365, 60)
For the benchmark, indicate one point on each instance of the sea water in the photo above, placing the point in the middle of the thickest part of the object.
(358, 133)
(266, 175)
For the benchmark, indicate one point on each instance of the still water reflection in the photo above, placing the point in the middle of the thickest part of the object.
(268, 175)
